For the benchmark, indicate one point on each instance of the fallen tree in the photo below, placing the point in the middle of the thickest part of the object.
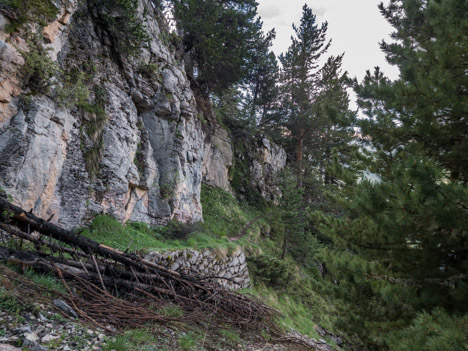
(97, 273)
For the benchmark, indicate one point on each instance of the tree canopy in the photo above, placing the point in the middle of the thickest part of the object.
(218, 40)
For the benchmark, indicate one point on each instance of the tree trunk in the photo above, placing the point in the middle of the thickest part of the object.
(285, 247)
(299, 147)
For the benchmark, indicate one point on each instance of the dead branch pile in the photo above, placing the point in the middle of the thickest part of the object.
(95, 274)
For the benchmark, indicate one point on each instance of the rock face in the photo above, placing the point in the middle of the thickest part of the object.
(135, 149)
(230, 266)
(149, 149)
(258, 163)
(267, 160)
(217, 159)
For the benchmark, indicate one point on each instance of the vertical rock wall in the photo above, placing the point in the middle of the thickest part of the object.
(143, 161)
(149, 150)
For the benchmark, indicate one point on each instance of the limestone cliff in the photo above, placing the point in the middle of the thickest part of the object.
(136, 147)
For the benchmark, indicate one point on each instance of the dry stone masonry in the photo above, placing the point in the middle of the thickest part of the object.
(230, 269)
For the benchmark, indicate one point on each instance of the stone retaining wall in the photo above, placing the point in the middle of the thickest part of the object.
(230, 269)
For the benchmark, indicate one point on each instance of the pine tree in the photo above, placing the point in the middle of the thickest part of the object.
(218, 39)
(291, 212)
(401, 240)
(299, 79)
(315, 102)
(334, 122)
(261, 83)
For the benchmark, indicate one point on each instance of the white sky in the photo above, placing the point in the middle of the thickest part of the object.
(355, 26)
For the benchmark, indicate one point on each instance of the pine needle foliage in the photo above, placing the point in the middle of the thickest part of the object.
(400, 235)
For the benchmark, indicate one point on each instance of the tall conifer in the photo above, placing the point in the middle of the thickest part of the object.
(401, 244)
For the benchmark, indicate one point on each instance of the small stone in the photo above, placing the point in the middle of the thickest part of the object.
(31, 336)
(48, 338)
(22, 330)
(42, 318)
(65, 308)
(111, 328)
(6, 347)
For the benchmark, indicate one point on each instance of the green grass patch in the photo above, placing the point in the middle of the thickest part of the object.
(47, 280)
(296, 292)
(138, 237)
(189, 341)
(224, 217)
(170, 310)
(9, 302)
(231, 336)
(137, 339)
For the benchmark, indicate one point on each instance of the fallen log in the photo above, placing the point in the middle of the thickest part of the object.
(87, 245)
(115, 270)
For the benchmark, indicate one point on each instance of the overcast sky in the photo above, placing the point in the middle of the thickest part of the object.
(355, 27)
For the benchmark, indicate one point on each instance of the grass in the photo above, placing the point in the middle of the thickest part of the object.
(47, 280)
(189, 341)
(231, 336)
(138, 237)
(224, 217)
(170, 310)
(137, 339)
(9, 302)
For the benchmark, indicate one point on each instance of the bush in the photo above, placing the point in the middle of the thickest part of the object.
(436, 331)
(271, 270)
(176, 230)
(38, 68)
(37, 11)
(123, 24)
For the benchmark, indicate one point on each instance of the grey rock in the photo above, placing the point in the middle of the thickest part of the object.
(22, 330)
(152, 151)
(65, 308)
(150, 163)
(31, 337)
(48, 338)
(217, 159)
(6, 347)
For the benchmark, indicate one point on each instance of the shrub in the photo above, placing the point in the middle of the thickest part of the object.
(176, 230)
(121, 20)
(37, 11)
(38, 68)
(436, 331)
(271, 270)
